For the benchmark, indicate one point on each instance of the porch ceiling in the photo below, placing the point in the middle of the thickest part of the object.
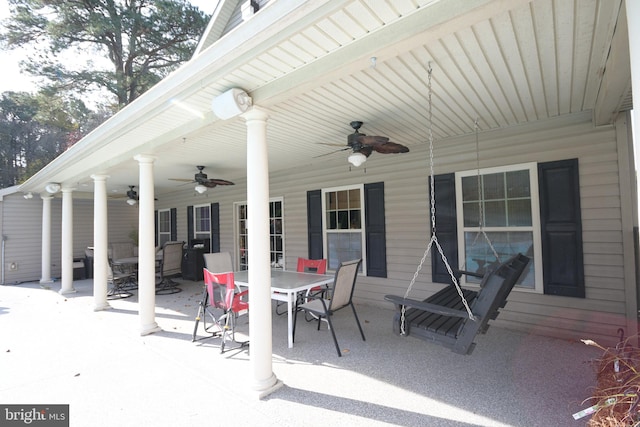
(504, 62)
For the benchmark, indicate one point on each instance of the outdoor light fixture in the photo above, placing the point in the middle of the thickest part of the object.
(52, 187)
(356, 159)
(201, 188)
(233, 102)
(28, 195)
(131, 202)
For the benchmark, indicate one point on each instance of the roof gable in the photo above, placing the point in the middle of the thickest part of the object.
(227, 15)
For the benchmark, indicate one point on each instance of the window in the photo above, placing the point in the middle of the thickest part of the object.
(203, 227)
(343, 225)
(242, 238)
(164, 226)
(502, 202)
(276, 234)
(202, 222)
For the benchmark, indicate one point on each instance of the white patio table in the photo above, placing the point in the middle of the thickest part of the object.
(285, 285)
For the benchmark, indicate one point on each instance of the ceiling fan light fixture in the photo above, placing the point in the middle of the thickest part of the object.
(357, 158)
(131, 202)
(200, 188)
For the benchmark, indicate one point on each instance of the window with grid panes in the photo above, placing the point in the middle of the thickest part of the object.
(202, 222)
(164, 226)
(343, 225)
(276, 234)
(503, 203)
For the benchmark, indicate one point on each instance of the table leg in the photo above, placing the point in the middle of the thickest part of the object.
(290, 317)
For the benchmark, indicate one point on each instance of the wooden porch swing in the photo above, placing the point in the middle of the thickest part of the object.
(453, 316)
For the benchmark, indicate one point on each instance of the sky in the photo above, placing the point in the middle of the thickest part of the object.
(13, 80)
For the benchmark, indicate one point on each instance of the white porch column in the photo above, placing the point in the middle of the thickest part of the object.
(100, 243)
(67, 242)
(46, 239)
(146, 248)
(264, 380)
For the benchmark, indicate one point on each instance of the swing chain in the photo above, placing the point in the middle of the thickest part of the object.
(434, 238)
(479, 179)
(431, 168)
(480, 185)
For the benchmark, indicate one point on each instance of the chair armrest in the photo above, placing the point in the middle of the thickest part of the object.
(425, 306)
(470, 273)
(241, 294)
(313, 296)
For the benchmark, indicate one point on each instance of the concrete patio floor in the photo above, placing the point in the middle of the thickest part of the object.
(56, 349)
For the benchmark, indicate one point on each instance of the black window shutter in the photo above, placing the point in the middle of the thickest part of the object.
(446, 227)
(155, 224)
(189, 225)
(174, 224)
(375, 230)
(314, 224)
(215, 227)
(561, 228)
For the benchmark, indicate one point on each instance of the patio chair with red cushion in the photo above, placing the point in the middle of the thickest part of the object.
(222, 305)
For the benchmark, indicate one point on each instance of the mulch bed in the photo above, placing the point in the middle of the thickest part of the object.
(616, 399)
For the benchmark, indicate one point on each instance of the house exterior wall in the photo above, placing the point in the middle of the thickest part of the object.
(236, 16)
(609, 279)
(22, 231)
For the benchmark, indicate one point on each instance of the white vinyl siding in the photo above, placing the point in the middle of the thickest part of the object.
(22, 231)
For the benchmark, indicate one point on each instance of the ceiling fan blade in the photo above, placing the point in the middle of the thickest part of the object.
(390, 148)
(217, 181)
(331, 144)
(333, 152)
(372, 139)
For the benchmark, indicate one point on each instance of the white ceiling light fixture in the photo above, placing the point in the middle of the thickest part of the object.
(357, 158)
(28, 195)
(131, 202)
(52, 187)
(233, 102)
(201, 188)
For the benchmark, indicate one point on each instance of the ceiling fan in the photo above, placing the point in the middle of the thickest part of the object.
(131, 195)
(363, 145)
(203, 182)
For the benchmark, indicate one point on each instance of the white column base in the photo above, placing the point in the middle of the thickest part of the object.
(150, 329)
(45, 283)
(263, 390)
(67, 291)
(102, 307)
